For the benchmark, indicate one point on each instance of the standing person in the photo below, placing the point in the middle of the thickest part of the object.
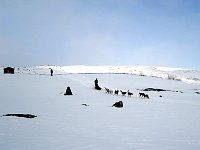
(51, 72)
(96, 85)
(96, 82)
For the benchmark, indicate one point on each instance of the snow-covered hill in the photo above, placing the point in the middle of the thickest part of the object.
(170, 119)
(190, 76)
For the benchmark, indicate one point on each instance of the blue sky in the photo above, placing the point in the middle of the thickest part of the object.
(100, 32)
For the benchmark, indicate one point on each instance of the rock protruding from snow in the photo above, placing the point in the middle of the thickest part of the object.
(21, 115)
(68, 91)
(118, 104)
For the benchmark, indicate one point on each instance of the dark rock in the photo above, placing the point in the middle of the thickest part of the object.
(21, 115)
(118, 104)
(197, 92)
(154, 89)
(85, 105)
(68, 91)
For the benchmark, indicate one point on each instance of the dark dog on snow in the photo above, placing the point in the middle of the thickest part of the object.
(123, 93)
(143, 95)
(146, 96)
(108, 90)
(129, 93)
(116, 92)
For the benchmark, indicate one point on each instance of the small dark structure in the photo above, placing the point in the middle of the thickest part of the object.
(9, 70)
(118, 104)
(96, 85)
(68, 91)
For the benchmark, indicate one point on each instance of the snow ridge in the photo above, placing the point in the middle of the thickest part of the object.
(189, 76)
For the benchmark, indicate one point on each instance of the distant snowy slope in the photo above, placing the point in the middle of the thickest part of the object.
(185, 75)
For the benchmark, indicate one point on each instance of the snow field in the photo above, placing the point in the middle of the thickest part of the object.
(168, 122)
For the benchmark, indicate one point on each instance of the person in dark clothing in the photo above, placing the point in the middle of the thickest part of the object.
(96, 82)
(96, 85)
(51, 72)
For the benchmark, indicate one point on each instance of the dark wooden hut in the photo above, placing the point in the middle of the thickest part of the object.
(9, 70)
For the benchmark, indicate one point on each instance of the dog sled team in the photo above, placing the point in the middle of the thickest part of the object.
(116, 92)
(124, 93)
